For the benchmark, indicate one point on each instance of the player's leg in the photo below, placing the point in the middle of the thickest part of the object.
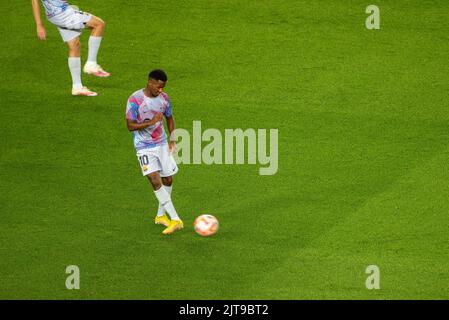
(70, 24)
(74, 48)
(162, 195)
(168, 169)
(149, 164)
(165, 200)
(97, 27)
(167, 184)
(149, 160)
(167, 181)
(156, 183)
(74, 61)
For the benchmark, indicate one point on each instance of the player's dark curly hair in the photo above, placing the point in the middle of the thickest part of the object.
(158, 74)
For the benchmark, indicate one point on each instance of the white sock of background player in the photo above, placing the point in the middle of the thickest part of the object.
(75, 71)
(94, 46)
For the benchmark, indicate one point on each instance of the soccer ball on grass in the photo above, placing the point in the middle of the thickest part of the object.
(206, 225)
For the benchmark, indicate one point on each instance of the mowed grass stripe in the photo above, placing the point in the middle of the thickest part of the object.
(402, 230)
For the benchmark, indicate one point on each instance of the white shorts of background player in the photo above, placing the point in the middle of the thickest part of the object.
(70, 23)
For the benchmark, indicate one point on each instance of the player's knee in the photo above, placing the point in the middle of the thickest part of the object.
(100, 24)
(155, 181)
(74, 46)
(167, 181)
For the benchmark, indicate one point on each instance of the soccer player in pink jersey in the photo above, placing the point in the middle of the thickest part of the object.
(145, 111)
(70, 23)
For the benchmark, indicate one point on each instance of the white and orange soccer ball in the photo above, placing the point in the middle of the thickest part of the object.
(206, 225)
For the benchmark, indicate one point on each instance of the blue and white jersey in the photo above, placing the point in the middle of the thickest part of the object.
(55, 7)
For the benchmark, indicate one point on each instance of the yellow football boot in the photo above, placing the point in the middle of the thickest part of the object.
(174, 225)
(164, 220)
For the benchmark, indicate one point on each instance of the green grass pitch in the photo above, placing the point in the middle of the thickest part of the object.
(363, 153)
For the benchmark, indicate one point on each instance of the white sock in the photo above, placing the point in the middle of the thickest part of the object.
(161, 210)
(75, 71)
(94, 45)
(164, 198)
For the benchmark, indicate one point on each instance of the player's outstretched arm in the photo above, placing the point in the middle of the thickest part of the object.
(133, 125)
(40, 29)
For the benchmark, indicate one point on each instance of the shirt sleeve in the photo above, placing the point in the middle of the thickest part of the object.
(168, 109)
(132, 109)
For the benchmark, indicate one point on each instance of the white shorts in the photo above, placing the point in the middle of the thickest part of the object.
(157, 159)
(70, 23)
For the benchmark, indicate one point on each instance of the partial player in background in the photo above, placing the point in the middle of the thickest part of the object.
(70, 23)
(144, 117)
